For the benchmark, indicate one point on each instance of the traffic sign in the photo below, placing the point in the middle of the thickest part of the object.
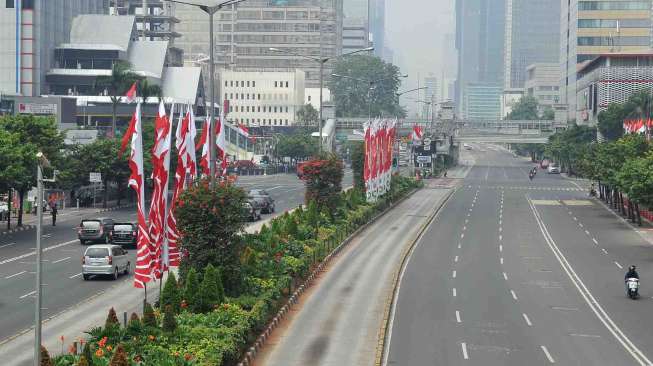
(95, 177)
(424, 159)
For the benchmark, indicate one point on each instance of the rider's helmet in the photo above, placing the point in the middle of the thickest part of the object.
(632, 268)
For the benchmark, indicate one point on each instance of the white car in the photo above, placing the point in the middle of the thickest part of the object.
(467, 147)
(105, 259)
(553, 169)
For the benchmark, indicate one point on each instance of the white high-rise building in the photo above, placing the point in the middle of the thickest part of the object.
(263, 98)
(29, 32)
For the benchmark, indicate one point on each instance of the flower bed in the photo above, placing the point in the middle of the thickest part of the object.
(191, 328)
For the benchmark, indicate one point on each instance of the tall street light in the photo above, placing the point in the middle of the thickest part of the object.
(211, 10)
(321, 61)
(372, 85)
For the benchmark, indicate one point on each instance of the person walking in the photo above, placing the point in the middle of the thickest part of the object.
(54, 214)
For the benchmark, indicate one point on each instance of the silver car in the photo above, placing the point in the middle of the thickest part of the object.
(105, 259)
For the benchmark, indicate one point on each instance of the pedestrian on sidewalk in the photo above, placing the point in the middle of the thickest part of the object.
(445, 173)
(54, 214)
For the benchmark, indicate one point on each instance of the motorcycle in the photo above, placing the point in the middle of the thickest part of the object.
(632, 286)
(530, 175)
(592, 193)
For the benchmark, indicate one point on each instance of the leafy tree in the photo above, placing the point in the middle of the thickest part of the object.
(102, 156)
(567, 146)
(635, 178)
(353, 98)
(297, 146)
(611, 121)
(170, 294)
(21, 138)
(116, 85)
(548, 114)
(524, 109)
(323, 178)
(211, 220)
(308, 114)
(146, 91)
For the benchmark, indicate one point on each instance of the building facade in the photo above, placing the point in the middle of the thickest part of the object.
(611, 78)
(531, 35)
(543, 83)
(246, 32)
(591, 28)
(480, 28)
(354, 35)
(29, 32)
(258, 98)
(483, 102)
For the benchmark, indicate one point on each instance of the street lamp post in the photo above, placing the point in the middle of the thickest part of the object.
(211, 10)
(321, 61)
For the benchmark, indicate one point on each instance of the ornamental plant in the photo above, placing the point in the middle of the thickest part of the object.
(149, 319)
(119, 357)
(169, 321)
(82, 361)
(211, 290)
(323, 178)
(191, 289)
(45, 357)
(211, 221)
(112, 319)
(170, 294)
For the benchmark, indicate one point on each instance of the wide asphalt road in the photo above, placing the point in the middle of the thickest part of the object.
(514, 272)
(64, 286)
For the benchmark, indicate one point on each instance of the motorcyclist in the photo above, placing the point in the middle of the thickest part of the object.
(632, 273)
(592, 190)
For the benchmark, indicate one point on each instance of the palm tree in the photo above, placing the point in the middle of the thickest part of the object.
(147, 90)
(116, 85)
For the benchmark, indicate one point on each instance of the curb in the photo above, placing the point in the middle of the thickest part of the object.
(253, 351)
(18, 229)
(390, 302)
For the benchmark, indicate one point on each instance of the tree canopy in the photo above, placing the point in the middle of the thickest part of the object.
(375, 90)
(307, 114)
(524, 109)
(298, 146)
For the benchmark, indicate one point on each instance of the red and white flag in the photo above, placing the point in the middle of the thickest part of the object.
(143, 270)
(158, 206)
(191, 165)
(131, 93)
(180, 181)
(221, 143)
(417, 133)
(204, 145)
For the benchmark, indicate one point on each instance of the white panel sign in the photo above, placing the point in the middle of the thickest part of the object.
(37, 108)
(95, 177)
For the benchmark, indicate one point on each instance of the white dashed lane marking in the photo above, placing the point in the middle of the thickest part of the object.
(528, 321)
(514, 295)
(464, 347)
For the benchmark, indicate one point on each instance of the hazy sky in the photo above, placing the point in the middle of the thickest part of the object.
(414, 31)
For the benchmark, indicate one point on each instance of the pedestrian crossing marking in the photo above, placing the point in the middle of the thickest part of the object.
(578, 203)
(546, 202)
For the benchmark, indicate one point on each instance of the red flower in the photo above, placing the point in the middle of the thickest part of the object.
(102, 342)
(188, 357)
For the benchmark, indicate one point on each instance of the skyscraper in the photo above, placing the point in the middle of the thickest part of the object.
(531, 36)
(591, 28)
(480, 43)
(245, 33)
(29, 32)
(369, 14)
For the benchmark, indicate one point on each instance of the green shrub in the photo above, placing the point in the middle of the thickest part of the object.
(149, 319)
(119, 357)
(211, 290)
(191, 289)
(82, 361)
(169, 321)
(170, 294)
(112, 319)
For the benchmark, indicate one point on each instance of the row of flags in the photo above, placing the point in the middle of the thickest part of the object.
(379, 149)
(638, 125)
(158, 237)
(418, 133)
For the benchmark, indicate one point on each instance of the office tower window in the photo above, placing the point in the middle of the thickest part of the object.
(248, 83)
(10, 4)
(286, 84)
(275, 84)
(253, 84)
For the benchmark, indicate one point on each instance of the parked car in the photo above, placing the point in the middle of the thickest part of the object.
(105, 259)
(4, 211)
(260, 195)
(95, 230)
(252, 213)
(467, 146)
(124, 234)
(553, 169)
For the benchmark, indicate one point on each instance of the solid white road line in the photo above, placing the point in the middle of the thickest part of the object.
(595, 242)
(585, 335)
(453, 274)
(464, 347)
(548, 355)
(454, 292)
(458, 317)
(619, 265)
(77, 275)
(585, 293)
(28, 294)
(505, 276)
(514, 295)
(15, 274)
(7, 245)
(528, 321)
(60, 260)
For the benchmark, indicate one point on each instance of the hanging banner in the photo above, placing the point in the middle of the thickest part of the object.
(379, 141)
